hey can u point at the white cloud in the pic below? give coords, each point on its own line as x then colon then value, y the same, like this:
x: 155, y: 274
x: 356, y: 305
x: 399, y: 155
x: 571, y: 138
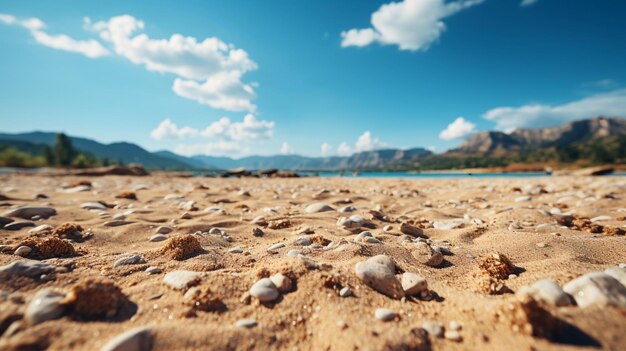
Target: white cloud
x: 410, y: 24
x: 344, y: 149
x: 327, y: 149
x: 365, y: 142
x: 431, y: 148
x: 528, y: 2
x: 285, y: 149
x: 168, y: 129
x: 90, y: 48
x: 218, y: 148
x: 248, y: 130
x: 611, y: 104
x: 209, y: 70
x: 457, y: 129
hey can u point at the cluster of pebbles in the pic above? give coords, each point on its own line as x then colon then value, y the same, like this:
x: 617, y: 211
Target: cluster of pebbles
x: 390, y: 266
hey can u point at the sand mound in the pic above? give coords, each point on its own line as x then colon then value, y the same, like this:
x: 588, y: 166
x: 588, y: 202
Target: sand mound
x: 181, y: 247
x: 94, y: 298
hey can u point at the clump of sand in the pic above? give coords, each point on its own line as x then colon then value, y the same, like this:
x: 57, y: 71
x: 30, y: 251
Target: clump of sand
x: 181, y: 247
x: 528, y: 316
x: 202, y: 298
x: 49, y: 248
x: 68, y: 231
x: 94, y: 298
x: 494, y: 269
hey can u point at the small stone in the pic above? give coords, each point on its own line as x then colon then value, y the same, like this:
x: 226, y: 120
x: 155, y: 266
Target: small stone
x: 93, y: 206
x: 138, y: 339
x: 40, y: 229
x: 116, y: 223
x: 119, y: 217
x: 235, y: 250
x: 345, y: 292
x: 318, y: 207
x: 246, y: 323
x: 23, y: 251
x: 45, y: 306
x: 414, y: 231
x: 385, y: 314
x: 597, y: 288
x: 28, y: 212
x: 433, y: 328
x: 185, y: 215
x: 133, y: 259
x: 153, y: 270
x: 454, y: 325
x: 164, y: 230
x: 347, y: 209
x: 453, y: 335
x: 617, y: 272
x: 294, y: 252
x: 276, y: 247
x: 449, y: 224
x: 264, y: 290
x: 387, y: 228
x: 158, y: 237
x: 380, y: 278
x: 25, y: 268
x: 18, y: 225
x: 282, y: 282
x: 257, y: 232
x: 4, y: 221
x: 259, y: 221
x: 303, y: 241
x: 413, y: 284
x: 181, y: 279
x: 550, y: 292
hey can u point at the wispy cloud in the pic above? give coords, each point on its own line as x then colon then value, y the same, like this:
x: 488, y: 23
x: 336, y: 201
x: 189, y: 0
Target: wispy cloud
x: 457, y: 129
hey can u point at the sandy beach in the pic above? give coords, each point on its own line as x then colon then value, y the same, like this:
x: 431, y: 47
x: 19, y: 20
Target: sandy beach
x: 460, y: 255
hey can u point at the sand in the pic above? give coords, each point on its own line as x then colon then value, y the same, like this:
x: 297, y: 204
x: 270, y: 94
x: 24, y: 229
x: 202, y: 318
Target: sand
x: 311, y: 315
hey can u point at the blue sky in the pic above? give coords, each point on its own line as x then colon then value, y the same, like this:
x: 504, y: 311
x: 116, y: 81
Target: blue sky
x: 307, y: 77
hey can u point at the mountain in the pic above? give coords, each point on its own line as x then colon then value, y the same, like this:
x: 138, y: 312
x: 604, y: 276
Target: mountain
x: 193, y: 162
x: 493, y: 143
x: 122, y: 151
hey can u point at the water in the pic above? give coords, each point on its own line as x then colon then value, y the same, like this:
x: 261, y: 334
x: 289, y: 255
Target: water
x: 429, y: 175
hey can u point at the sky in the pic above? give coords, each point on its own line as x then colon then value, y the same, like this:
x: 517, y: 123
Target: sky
x: 315, y: 78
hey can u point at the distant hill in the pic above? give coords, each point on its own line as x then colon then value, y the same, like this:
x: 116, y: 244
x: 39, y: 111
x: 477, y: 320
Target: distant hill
x: 122, y: 151
x: 498, y: 143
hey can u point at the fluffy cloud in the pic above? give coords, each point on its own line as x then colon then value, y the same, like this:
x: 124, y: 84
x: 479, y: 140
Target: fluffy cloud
x: 609, y: 104
x: 218, y: 148
x: 209, y: 71
x: 528, y: 2
x: 326, y: 149
x: 344, y: 149
x: 410, y: 24
x: 90, y: 48
x: 285, y: 149
x: 365, y: 142
x: 248, y: 130
x: 459, y: 128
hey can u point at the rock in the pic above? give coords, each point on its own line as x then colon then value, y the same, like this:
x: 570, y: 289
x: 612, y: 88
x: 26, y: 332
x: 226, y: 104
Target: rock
x: 245, y: 323
x: 413, y: 284
x: 45, y: 306
x: 164, y: 230
x: 235, y: 250
x: 173, y: 197
x: 259, y: 221
x: 23, y: 251
x: 426, y: 255
x: 318, y: 207
x: 93, y: 206
x: 362, y: 235
x: 449, y: 224
x: 380, y: 278
x: 181, y: 279
x: 385, y: 261
x: 276, y: 247
x: 25, y: 268
x: 40, y: 229
x: 303, y: 241
x: 157, y: 238
x: 433, y: 328
x: 133, y: 259
x: 601, y: 218
x: 617, y: 272
x: 116, y: 223
x: 347, y: 209
x: 77, y: 189
x: 257, y: 232
x: 282, y: 282
x: 138, y: 339
x: 119, y: 217
x: 264, y: 290
x: 305, y: 230
x: 385, y: 314
x: 453, y: 335
x: 18, y: 225
x: 4, y: 221
x: 408, y: 229
x: 28, y: 212
x: 345, y: 292
x: 153, y: 270
x: 523, y: 199
x: 293, y: 252
x: 597, y: 288
x: 550, y: 292
x: 454, y: 325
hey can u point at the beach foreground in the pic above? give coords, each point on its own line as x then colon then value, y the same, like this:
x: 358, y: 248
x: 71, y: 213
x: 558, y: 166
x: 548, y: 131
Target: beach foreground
x: 476, y: 242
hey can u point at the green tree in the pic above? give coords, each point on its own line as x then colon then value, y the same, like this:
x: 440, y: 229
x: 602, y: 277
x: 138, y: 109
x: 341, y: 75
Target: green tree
x: 63, y: 150
x: 48, y: 156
